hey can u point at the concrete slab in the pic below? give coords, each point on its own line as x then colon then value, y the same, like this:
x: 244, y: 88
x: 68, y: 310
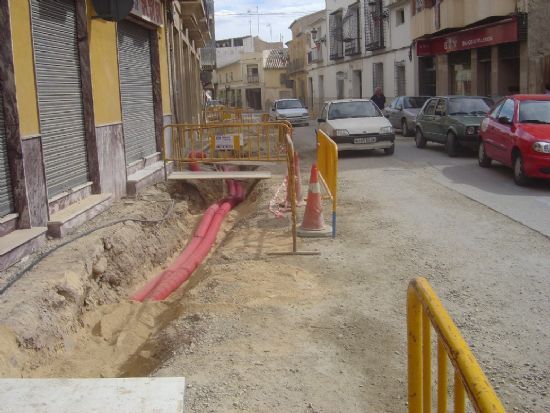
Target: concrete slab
x: 76, y: 214
x: 147, y: 176
x: 127, y: 395
x: 20, y: 243
x: 189, y: 175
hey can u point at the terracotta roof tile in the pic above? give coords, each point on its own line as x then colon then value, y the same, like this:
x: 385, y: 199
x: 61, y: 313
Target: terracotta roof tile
x: 276, y: 59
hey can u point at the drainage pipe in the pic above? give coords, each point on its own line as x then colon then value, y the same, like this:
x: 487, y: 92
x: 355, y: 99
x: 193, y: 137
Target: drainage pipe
x: 195, y: 241
x: 181, y: 269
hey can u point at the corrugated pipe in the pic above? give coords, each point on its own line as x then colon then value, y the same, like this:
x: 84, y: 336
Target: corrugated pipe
x: 196, y: 251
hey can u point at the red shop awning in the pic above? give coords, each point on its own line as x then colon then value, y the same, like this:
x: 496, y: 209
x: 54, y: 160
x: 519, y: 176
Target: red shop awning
x: 488, y: 35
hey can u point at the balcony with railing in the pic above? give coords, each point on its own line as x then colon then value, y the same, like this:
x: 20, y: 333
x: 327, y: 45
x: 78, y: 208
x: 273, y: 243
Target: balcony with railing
x: 336, y: 33
x: 208, y: 56
x: 296, y: 65
x: 351, y: 31
x: 251, y: 78
x: 315, y: 55
x: 375, y: 16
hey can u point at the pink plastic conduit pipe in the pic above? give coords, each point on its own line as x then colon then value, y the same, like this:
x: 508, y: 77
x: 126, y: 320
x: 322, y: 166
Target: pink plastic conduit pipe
x: 196, y: 251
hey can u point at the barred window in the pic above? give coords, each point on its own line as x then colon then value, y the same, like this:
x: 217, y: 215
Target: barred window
x: 336, y: 35
x: 374, y: 25
x: 378, y: 76
x: 400, y: 79
x: 352, y: 33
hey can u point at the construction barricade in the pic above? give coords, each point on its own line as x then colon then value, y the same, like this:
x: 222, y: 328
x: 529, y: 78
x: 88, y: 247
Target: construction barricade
x: 214, y: 143
x: 230, y: 143
x: 223, y: 114
x: 424, y: 310
x: 327, y: 163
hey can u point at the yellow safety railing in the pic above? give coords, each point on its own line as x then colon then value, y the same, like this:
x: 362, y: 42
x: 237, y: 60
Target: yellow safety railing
x: 185, y: 143
x: 424, y: 310
x: 223, y: 114
x: 233, y: 142
x: 327, y: 163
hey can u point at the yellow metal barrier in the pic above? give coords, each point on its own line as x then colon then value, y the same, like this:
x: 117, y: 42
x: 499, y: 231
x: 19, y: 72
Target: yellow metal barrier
x: 327, y: 163
x: 423, y: 311
x: 265, y: 142
x: 234, y: 142
x: 223, y: 114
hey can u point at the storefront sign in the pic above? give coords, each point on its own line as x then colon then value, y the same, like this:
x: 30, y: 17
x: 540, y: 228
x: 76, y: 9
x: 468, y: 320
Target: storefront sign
x: 469, y: 39
x: 148, y: 10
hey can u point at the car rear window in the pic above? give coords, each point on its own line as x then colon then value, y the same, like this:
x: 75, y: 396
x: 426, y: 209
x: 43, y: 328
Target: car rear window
x: 469, y: 106
x: 360, y: 109
x: 534, y: 111
x: 412, y: 102
x: 289, y: 104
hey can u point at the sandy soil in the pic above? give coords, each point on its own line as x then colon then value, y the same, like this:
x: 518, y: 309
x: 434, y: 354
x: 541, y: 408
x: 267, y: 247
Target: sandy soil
x: 254, y: 332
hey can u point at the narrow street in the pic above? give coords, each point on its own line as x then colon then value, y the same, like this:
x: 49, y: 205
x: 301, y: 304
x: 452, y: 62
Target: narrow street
x: 327, y: 333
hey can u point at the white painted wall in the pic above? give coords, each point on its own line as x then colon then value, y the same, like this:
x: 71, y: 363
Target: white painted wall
x: 397, y: 40
x: 228, y: 55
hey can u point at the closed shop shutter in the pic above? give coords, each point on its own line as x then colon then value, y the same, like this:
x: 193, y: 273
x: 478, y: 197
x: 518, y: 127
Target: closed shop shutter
x: 59, y: 94
x: 136, y: 91
x: 6, y: 201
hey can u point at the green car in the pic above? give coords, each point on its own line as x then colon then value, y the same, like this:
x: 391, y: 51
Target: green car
x: 451, y: 120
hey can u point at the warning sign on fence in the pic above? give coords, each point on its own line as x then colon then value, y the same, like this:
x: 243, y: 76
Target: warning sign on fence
x: 224, y: 143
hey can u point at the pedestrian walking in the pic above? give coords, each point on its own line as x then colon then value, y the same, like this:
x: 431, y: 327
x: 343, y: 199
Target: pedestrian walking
x: 378, y: 98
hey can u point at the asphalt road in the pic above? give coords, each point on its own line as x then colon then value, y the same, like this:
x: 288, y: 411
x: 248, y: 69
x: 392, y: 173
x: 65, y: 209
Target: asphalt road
x: 493, y: 187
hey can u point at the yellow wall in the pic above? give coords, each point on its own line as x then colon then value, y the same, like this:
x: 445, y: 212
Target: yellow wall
x: 272, y: 78
x: 104, y: 69
x: 23, y: 62
x: 164, y: 83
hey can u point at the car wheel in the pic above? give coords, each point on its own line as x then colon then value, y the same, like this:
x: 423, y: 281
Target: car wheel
x: 451, y: 145
x: 519, y: 175
x: 419, y: 139
x: 482, y: 159
x: 405, y: 128
x: 390, y: 150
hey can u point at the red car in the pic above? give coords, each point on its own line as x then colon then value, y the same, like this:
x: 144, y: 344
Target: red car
x: 516, y: 133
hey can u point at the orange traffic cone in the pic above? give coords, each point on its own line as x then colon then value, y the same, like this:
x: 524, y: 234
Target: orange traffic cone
x: 313, y: 224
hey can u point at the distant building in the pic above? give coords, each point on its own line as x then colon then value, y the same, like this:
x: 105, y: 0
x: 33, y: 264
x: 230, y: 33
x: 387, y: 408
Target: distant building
x: 299, y: 48
x: 255, y: 80
x: 245, y: 70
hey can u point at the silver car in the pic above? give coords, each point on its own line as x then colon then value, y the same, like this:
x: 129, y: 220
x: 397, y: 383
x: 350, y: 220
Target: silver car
x: 291, y: 110
x: 402, y: 112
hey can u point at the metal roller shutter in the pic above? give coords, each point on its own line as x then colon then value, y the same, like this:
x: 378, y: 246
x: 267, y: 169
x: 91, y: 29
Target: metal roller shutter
x: 136, y: 91
x: 6, y: 200
x: 59, y: 94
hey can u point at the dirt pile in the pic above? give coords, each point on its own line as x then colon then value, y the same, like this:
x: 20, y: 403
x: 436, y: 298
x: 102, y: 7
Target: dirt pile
x: 76, y: 299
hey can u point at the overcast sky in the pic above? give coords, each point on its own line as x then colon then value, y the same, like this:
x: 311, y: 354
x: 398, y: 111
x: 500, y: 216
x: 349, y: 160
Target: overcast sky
x: 228, y: 25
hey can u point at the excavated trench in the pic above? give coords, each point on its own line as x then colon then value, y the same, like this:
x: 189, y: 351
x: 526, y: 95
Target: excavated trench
x: 70, y: 316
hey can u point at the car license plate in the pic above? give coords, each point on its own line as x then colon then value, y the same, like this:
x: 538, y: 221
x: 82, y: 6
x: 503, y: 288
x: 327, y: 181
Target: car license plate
x: 365, y: 140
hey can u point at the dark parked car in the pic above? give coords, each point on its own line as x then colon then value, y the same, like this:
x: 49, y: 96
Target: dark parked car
x: 451, y: 120
x: 402, y: 112
x: 517, y: 134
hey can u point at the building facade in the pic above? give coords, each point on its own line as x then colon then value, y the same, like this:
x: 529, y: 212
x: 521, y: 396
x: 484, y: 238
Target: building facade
x: 83, y: 103
x: 255, y: 80
x: 489, y: 48
x: 299, y: 47
x: 240, y: 75
x: 358, y: 46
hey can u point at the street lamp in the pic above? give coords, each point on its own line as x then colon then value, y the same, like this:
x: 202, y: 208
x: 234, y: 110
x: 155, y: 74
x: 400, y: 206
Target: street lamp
x: 314, y: 33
